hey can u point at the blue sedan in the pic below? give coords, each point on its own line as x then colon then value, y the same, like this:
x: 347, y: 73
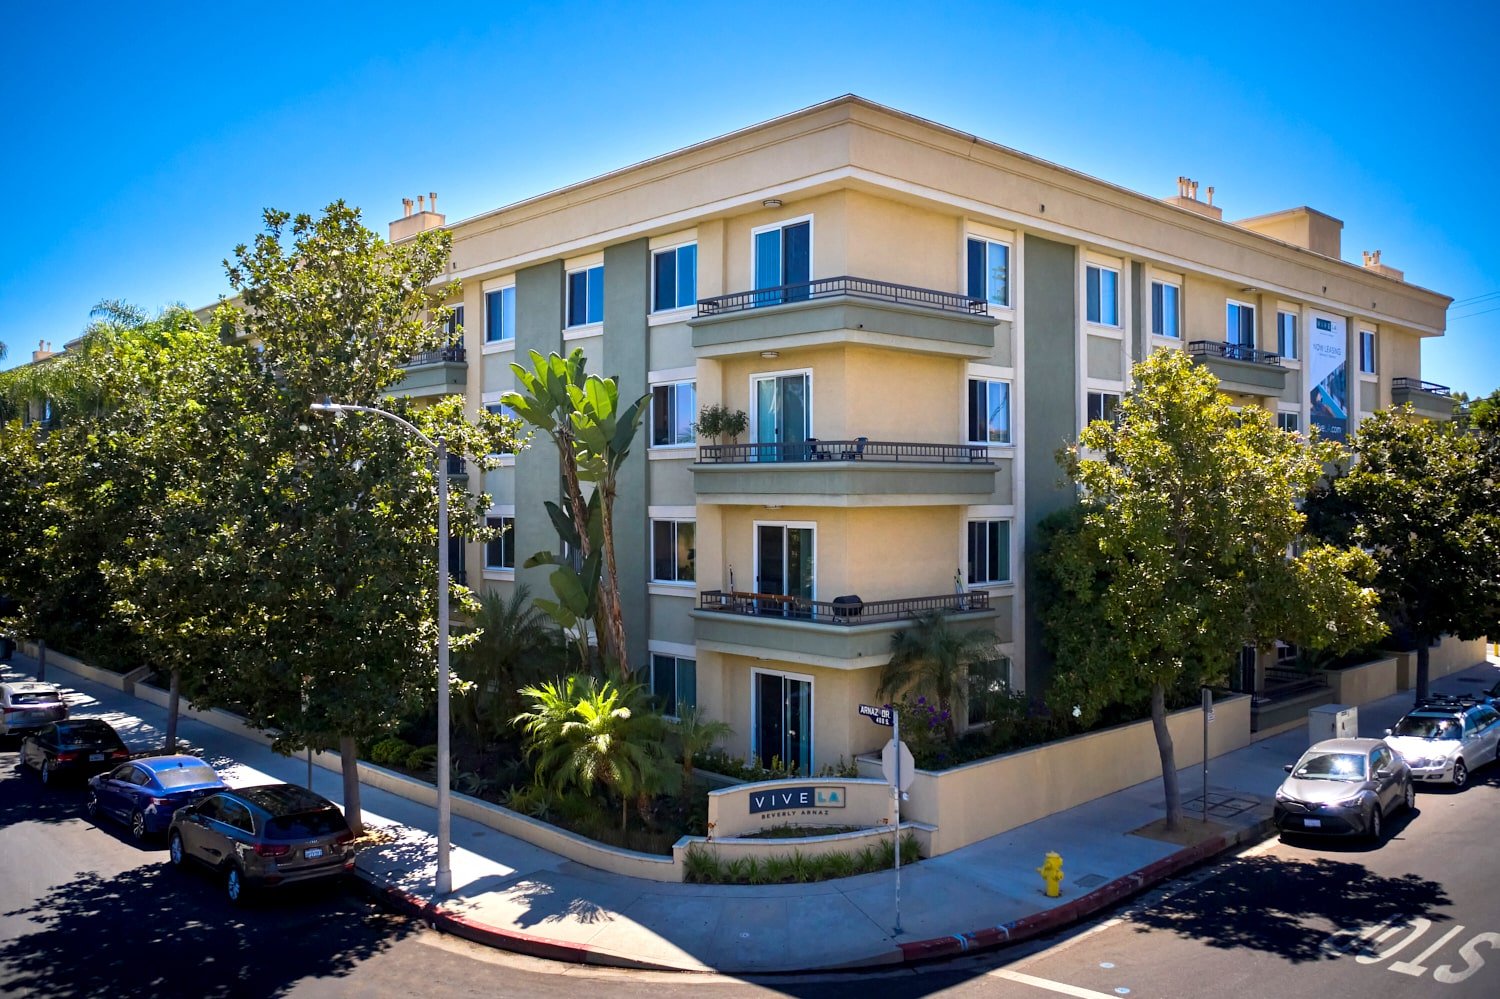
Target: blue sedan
x: 144, y: 793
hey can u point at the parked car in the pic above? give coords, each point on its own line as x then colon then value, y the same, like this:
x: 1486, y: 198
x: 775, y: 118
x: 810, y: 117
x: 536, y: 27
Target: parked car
x: 263, y: 837
x: 78, y: 747
x: 145, y: 793
x: 1343, y: 787
x: 26, y: 705
x: 1447, y: 737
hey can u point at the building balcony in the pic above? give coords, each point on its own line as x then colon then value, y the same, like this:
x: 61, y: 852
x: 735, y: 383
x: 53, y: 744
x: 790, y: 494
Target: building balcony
x: 845, y: 632
x: 444, y: 371
x: 843, y: 310
x: 1240, y: 369
x: 1428, y: 399
x: 858, y: 472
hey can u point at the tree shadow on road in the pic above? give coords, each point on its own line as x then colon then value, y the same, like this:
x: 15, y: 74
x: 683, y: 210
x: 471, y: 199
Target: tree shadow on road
x: 23, y: 798
x: 1289, y: 907
x: 153, y: 930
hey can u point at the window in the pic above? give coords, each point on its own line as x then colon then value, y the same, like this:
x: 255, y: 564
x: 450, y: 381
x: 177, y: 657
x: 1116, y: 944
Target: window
x: 989, y: 551
x: 586, y: 296
x: 453, y: 326
x: 1164, y: 309
x: 500, y: 315
x: 500, y: 409
x: 674, y: 278
x: 1103, y: 294
x: 989, y: 271
x: 989, y: 411
x: 500, y: 552
x: 1103, y: 405
x: 1239, y: 324
x: 673, y: 410
x: 1367, y: 351
x: 674, y: 683
x: 783, y: 256
x: 672, y: 551
x: 1291, y: 422
x: 1286, y: 334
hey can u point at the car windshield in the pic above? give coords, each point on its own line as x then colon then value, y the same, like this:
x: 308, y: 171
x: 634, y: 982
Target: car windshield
x: 1331, y: 766
x: 1420, y: 727
x: 33, y: 697
x: 87, y: 735
x: 183, y: 776
x: 307, y: 824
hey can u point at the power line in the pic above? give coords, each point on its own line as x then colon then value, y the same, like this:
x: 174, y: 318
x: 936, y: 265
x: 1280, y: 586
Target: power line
x: 1471, y: 315
x: 1476, y: 299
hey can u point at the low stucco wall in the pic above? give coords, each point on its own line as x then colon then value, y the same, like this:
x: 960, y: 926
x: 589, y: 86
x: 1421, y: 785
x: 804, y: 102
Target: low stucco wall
x: 1364, y: 683
x: 730, y: 849
x: 797, y: 802
x: 123, y: 682
x: 1452, y: 655
x: 223, y: 720
x: 981, y: 799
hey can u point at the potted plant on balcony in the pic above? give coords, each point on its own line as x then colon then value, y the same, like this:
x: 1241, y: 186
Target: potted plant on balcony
x: 719, y: 422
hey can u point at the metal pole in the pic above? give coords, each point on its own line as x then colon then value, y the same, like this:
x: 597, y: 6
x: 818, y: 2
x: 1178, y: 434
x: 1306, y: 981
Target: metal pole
x: 445, y: 805
x: 896, y: 796
x: 41, y: 659
x: 309, y: 768
x: 1208, y: 702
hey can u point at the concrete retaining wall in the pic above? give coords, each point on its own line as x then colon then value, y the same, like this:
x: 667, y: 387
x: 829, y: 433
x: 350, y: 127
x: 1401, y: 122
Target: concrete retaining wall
x: 1364, y: 683
x: 859, y: 803
x: 123, y: 682
x: 223, y: 720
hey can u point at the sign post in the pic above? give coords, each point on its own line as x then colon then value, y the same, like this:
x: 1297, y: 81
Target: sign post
x: 899, y: 768
x: 1208, y: 716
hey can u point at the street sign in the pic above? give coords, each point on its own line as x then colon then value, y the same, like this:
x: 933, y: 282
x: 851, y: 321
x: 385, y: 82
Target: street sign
x: 888, y: 758
x: 877, y: 714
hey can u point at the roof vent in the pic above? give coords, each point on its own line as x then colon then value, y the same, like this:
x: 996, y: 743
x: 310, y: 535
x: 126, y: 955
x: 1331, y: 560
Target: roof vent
x: 1187, y: 197
x: 410, y: 223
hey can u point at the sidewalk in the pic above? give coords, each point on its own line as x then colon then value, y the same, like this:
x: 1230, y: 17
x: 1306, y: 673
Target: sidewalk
x: 516, y: 896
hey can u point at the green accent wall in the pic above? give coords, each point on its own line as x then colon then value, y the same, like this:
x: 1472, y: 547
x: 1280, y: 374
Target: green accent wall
x: 1140, y: 315
x: 539, y: 311
x: 627, y: 284
x: 1051, y: 376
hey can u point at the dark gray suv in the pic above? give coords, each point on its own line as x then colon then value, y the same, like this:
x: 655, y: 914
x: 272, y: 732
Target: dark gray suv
x: 263, y: 837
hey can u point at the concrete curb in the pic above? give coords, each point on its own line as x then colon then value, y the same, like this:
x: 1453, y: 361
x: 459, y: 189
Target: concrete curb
x: 1106, y: 895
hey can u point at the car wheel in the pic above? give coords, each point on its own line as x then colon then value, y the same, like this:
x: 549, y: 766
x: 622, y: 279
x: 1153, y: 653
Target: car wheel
x: 1460, y: 775
x: 234, y: 886
x: 137, y: 825
x: 175, y: 851
x: 91, y: 806
x: 47, y: 767
x: 1410, y: 801
x: 1374, y: 826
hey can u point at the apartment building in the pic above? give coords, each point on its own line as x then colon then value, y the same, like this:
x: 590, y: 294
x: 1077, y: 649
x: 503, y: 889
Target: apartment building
x: 914, y: 320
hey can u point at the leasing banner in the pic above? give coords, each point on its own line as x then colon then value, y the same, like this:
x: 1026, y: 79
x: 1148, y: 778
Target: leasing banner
x: 1327, y: 359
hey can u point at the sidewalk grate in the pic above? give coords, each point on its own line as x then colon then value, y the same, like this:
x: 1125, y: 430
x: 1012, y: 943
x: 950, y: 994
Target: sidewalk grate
x: 1221, y: 805
x: 1089, y: 880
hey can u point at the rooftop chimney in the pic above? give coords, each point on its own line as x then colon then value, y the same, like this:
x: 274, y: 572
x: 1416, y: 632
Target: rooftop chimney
x: 1372, y: 263
x: 42, y: 352
x: 1187, y: 197
x: 423, y: 219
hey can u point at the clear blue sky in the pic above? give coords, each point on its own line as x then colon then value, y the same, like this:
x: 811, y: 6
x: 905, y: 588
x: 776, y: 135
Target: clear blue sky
x: 142, y: 142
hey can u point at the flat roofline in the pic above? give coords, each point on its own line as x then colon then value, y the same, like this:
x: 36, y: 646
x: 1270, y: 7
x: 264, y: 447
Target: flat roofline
x: 1289, y: 211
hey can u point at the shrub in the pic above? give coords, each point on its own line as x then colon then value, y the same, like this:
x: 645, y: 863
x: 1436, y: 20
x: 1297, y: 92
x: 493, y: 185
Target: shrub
x: 422, y: 758
x: 702, y: 867
x: 390, y: 751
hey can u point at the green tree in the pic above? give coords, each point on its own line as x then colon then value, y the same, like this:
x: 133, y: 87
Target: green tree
x: 1188, y: 544
x: 593, y: 430
x: 693, y: 734
x: 934, y: 658
x: 583, y: 732
x: 1419, y: 496
x: 516, y: 646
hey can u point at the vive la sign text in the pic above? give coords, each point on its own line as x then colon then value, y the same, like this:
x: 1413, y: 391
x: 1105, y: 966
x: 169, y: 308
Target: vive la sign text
x: 792, y: 798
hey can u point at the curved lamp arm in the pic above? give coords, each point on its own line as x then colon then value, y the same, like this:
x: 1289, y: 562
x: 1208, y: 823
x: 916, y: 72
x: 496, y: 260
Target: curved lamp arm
x: 341, y: 407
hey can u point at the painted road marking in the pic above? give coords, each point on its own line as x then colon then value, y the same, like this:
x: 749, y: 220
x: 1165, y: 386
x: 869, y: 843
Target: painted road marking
x: 1043, y: 983
x: 1375, y: 944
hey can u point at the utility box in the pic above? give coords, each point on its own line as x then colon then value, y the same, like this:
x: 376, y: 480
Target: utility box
x: 1332, y: 721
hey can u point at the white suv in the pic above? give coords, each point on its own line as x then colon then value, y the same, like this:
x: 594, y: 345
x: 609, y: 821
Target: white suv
x: 26, y: 706
x: 1445, y: 738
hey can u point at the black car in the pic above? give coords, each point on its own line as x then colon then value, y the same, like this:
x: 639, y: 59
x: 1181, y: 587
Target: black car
x: 78, y: 747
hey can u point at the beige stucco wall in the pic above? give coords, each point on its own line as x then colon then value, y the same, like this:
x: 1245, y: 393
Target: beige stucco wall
x: 904, y: 243
x: 865, y: 803
x: 1364, y: 683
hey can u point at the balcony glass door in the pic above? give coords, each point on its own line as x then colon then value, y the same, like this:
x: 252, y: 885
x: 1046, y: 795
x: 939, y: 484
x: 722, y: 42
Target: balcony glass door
x: 783, y: 721
x: 783, y: 256
x: 783, y: 415
x: 784, y: 569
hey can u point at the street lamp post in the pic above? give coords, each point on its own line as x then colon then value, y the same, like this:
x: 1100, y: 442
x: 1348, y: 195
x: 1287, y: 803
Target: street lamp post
x: 444, y: 880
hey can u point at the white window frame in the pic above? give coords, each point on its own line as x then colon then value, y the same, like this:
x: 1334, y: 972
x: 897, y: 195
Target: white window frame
x: 1230, y: 303
x: 1293, y: 411
x: 756, y: 525
x: 1293, y: 359
x: 656, y: 383
x: 674, y: 585
x: 986, y: 514
x: 812, y: 246
x: 974, y: 230
x: 571, y: 267
x: 489, y: 288
x: 507, y: 459
x: 675, y: 650
x: 986, y: 373
x: 1374, y: 368
x: 1117, y: 392
x: 484, y: 555
x: 1175, y: 285
x: 812, y: 715
x: 1117, y: 268
x: 812, y: 409
x: 676, y: 311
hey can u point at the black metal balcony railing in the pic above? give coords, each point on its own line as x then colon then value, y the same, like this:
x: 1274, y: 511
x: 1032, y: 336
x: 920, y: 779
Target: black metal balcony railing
x: 852, y: 287
x: 1417, y: 385
x: 842, y: 610
x: 859, y: 449
x: 1233, y: 352
x: 453, y: 354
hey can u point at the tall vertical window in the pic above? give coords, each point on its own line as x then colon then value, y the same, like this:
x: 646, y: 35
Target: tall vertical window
x: 989, y: 411
x: 673, y: 409
x: 674, y: 683
x: 989, y: 551
x: 673, y: 551
x: 454, y: 324
x: 989, y: 271
x: 1102, y: 293
x: 1164, y: 309
x: 1239, y: 324
x: 586, y: 296
x: 1103, y: 405
x: 500, y: 315
x: 1367, y: 351
x: 1286, y: 334
x: 674, y: 278
x: 500, y: 552
x: 783, y: 256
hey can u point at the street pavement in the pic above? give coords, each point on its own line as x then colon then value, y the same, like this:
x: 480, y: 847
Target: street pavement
x: 511, y: 894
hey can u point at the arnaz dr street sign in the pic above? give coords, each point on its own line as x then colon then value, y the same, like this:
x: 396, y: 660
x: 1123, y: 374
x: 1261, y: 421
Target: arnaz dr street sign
x: 880, y: 715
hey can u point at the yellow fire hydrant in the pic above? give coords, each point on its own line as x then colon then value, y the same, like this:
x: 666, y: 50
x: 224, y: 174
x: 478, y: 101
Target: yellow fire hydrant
x: 1052, y: 873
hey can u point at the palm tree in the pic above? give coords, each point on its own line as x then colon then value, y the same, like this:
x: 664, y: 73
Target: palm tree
x: 583, y: 732
x: 934, y: 659
x: 517, y: 646
x: 695, y: 734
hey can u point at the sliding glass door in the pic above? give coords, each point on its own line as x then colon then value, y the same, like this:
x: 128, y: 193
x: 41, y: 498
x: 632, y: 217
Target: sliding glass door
x: 783, y: 414
x: 783, y: 721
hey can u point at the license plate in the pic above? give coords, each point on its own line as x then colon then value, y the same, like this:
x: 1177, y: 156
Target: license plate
x: 95, y: 757
x: 1312, y: 823
x: 314, y: 853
